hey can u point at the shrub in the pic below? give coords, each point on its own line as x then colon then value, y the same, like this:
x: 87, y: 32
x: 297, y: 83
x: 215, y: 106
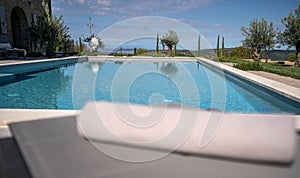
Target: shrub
x: 240, y: 53
x: 159, y: 55
x: 292, y: 57
x: 293, y: 72
x: 141, y: 51
x: 255, y: 66
x: 34, y: 54
x: 118, y: 54
x: 232, y: 60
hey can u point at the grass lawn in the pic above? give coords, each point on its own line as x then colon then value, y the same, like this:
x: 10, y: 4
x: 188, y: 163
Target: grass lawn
x: 288, y: 71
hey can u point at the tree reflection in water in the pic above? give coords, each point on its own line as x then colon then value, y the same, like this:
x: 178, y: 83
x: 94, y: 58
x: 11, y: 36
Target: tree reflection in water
x: 170, y: 69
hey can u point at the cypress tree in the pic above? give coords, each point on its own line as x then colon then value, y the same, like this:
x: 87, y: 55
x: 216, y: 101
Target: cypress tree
x: 218, y: 46
x: 199, y: 46
x: 157, y: 41
x: 222, y: 54
x: 80, y: 45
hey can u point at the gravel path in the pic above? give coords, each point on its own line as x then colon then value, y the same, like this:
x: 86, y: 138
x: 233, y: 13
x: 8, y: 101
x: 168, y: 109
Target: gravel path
x: 282, y: 79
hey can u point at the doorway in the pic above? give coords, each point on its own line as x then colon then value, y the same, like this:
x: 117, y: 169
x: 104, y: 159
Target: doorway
x: 19, y: 26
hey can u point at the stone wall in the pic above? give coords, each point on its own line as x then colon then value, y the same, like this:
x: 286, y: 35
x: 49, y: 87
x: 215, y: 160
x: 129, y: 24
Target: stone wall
x: 25, y: 10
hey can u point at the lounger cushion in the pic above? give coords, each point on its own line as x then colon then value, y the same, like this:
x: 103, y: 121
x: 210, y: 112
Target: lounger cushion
x: 6, y: 47
x: 250, y: 137
x: 52, y: 148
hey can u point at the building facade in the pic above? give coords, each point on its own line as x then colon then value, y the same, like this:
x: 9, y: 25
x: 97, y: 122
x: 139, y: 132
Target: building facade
x: 16, y: 16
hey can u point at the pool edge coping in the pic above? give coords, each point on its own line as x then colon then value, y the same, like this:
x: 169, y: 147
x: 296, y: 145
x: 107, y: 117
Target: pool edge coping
x: 41, y: 60
x: 19, y: 115
x: 281, y: 88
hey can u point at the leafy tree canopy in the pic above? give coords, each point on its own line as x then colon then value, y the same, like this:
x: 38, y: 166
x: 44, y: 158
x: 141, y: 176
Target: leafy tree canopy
x: 49, y: 32
x: 240, y: 53
x: 170, y: 39
x: 291, y: 35
x: 259, y: 35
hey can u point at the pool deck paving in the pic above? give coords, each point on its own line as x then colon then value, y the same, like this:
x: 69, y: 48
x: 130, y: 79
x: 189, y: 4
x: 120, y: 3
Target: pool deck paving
x: 272, y: 84
x: 20, y: 59
x: 275, y: 83
x: 282, y: 79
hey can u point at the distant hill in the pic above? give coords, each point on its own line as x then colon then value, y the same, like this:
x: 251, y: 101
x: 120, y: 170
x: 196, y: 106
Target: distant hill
x: 282, y: 55
x: 277, y: 55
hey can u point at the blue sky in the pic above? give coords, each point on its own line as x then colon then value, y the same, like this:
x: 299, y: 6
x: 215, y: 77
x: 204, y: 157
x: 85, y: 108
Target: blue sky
x: 208, y: 17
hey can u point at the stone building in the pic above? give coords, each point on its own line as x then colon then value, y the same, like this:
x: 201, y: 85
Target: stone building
x: 16, y: 16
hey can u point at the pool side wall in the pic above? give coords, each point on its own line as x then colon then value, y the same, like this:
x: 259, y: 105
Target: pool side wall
x: 8, y: 71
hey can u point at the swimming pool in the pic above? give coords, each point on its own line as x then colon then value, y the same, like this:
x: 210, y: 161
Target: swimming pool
x: 70, y: 87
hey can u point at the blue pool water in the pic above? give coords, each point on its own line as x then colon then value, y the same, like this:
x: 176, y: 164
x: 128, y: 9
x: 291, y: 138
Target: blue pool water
x: 70, y: 87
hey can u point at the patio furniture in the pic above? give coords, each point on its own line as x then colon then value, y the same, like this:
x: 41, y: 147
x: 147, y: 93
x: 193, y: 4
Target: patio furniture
x: 6, y: 49
x: 55, y: 148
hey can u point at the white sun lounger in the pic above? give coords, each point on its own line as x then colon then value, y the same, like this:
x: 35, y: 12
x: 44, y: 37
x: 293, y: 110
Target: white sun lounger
x: 187, y: 130
x: 6, y: 48
x: 54, y: 148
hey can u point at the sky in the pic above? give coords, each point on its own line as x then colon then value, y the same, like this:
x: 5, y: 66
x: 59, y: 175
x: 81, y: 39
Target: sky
x: 137, y: 22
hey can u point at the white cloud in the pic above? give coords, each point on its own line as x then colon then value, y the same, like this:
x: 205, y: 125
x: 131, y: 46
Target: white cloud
x: 232, y: 34
x: 68, y: 2
x: 147, y: 27
x: 131, y: 8
x: 56, y: 9
x: 81, y: 1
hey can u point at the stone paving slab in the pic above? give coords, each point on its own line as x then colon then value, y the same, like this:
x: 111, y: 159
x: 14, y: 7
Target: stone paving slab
x: 17, y: 115
x: 282, y: 79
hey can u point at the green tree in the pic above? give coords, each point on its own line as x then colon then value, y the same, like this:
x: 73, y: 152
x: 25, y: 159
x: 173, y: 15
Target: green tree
x: 218, y: 46
x: 199, y: 46
x: 170, y: 39
x: 259, y: 35
x: 157, y: 42
x: 291, y: 35
x: 223, y: 50
x: 292, y: 57
x: 80, y: 46
x: 49, y: 33
x: 269, y: 38
x: 240, y: 53
x: 141, y: 51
